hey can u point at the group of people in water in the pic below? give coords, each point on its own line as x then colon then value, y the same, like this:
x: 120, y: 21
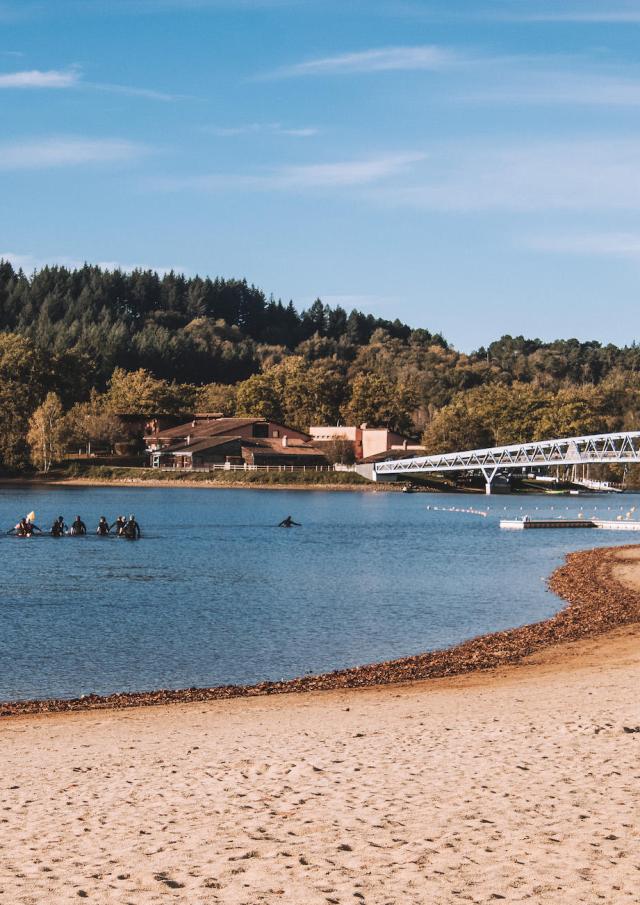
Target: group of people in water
x: 122, y: 527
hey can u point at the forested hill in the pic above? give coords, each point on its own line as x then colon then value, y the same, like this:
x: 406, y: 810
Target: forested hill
x: 141, y: 343
x: 191, y: 330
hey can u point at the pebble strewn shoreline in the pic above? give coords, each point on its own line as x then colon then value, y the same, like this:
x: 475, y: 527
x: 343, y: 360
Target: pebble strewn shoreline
x: 596, y: 603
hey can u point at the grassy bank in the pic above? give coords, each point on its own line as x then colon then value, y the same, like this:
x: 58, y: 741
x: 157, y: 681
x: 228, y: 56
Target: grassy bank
x: 107, y: 474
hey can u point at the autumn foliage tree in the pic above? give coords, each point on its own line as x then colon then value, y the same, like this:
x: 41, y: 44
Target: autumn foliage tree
x: 46, y: 433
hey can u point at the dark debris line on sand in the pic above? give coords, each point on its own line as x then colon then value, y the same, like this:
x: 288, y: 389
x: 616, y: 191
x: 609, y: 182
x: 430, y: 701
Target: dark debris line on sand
x: 597, y: 603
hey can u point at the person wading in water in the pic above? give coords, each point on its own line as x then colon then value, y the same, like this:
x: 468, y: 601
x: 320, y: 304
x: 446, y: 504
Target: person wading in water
x: 24, y: 528
x: 132, y: 529
x: 78, y: 527
x: 119, y: 524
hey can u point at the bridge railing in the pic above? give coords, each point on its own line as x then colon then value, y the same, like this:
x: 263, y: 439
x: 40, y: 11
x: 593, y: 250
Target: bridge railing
x: 588, y: 449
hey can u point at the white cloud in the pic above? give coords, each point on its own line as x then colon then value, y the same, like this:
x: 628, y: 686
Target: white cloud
x: 609, y: 245
x: 521, y: 79
x: 383, y: 59
x: 155, y: 6
x: 256, y: 128
x: 72, y: 78
x: 44, y: 153
x: 536, y: 176
x: 553, y: 87
x: 343, y: 173
x: 30, y: 262
x: 625, y: 15
x: 304, y: 177
x: 131, y: 91
x: 37, y: 78
x: 461, y: 177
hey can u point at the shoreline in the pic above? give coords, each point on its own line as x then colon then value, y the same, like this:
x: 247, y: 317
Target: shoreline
x: 207, y: 485
x: 596, y: 602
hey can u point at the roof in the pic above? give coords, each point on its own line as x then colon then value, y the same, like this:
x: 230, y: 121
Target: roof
x: 277, y: 442
x: 206, y: 428
x: 181, y: 449
x: 275, y: 448
x: 258, y: 446
x: 212, y: 427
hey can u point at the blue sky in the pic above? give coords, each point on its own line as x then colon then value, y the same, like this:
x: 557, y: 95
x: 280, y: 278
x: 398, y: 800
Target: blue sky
x: 470, y: 167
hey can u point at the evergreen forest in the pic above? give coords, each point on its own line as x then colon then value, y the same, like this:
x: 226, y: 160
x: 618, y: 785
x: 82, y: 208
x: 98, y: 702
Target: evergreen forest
x: 83, y: 346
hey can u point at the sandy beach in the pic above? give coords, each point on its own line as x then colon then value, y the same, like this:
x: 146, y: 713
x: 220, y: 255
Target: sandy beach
x: 518, y: 783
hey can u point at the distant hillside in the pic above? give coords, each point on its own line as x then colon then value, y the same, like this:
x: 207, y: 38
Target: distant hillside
x: 224, y: 345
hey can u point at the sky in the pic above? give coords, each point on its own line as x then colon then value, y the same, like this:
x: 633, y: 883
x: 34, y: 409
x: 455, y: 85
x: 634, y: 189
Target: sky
x: 468, y: 166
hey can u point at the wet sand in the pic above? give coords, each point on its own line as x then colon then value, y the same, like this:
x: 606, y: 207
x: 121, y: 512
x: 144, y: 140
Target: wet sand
x: 517, y: 783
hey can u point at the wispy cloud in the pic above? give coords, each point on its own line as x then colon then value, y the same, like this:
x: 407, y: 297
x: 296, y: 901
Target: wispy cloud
x: 380, y: 59
x: 531, y: 83
x: 155, y: 6
x: 485, y: 78
x: 38, y: 78
x: 257, y: 128
x: 600, y: 244
x: 536, y: 176
x: 304, y: 177
x: 51, y: 152
x: 533, y: 11
x: 132, y: 91
x: 15, y: 12
x: 620, y: 13
x: 30, y: 262
x: 462, y: 177
x: 344, y: 173
x: 73, y: 78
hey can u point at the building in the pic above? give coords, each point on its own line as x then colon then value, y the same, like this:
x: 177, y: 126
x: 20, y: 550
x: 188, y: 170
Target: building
x: 282, y: 452
x: 217, y: 441
x: 204, y: 427
x: 202, y: 453
x: 367, y: 441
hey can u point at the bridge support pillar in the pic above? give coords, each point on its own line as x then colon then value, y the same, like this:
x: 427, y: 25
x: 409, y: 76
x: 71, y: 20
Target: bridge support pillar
x: 489, y: 475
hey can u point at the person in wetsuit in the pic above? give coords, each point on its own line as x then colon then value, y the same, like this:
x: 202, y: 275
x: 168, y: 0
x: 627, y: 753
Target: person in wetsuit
x: 103, y: 527
x: 58, y: 528
x: 24, y: 528
x: 119, y: 524
x: 78, y: 526
x: 288, y: 522
x: 132, y: 529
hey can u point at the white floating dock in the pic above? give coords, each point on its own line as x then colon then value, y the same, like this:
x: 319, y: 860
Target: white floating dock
x: 616, y: 526
x: 603, y: 524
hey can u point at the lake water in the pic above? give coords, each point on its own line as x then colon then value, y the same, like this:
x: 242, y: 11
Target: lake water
x: 215, y: 594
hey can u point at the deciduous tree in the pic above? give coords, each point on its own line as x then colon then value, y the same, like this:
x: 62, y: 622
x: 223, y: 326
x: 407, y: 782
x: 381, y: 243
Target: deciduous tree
x: 46, y: 433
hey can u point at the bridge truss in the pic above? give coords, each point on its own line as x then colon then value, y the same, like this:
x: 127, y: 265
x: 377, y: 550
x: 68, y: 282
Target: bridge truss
x: 592, y: 449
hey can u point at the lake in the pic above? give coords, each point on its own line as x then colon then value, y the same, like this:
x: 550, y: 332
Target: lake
x: 214, y: 593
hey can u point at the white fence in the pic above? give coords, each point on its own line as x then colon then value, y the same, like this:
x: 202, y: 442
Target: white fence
x: 226, y: 466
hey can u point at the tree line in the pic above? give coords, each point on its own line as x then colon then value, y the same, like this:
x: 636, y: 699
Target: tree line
x: 94, y: 344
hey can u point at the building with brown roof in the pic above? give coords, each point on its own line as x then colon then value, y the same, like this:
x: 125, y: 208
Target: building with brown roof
x: 248, y: 442
x: 204, y: 427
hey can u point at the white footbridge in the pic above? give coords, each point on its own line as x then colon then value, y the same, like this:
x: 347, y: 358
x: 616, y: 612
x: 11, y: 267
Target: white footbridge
x: 623, y: 447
